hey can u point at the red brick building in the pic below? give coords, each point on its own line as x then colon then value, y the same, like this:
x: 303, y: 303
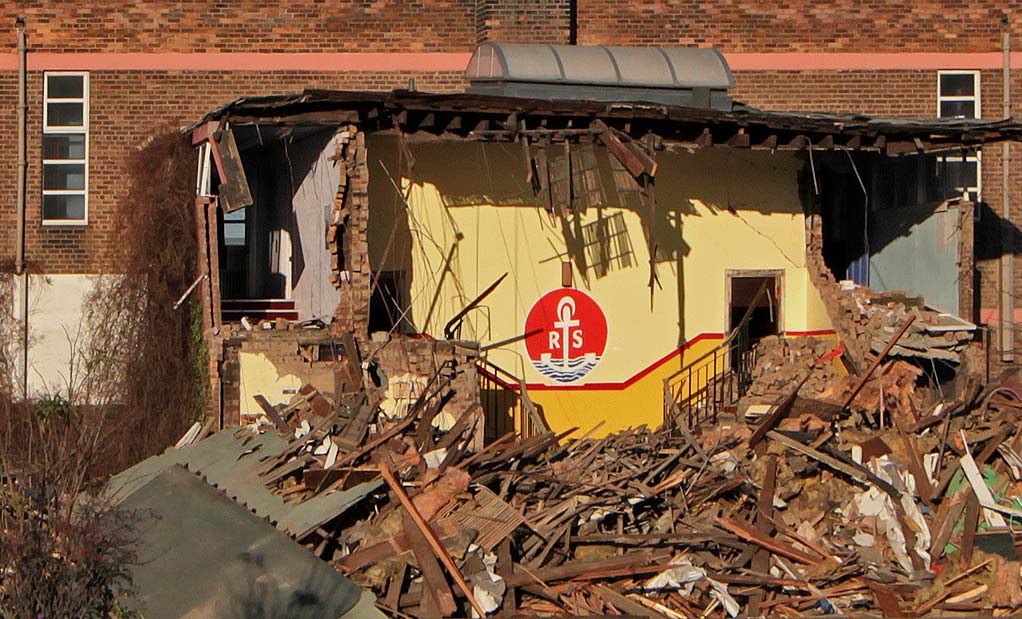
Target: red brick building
x: 101, y: 78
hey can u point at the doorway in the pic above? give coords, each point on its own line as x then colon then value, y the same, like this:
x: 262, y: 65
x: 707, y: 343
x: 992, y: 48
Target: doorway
x: 743, y: 296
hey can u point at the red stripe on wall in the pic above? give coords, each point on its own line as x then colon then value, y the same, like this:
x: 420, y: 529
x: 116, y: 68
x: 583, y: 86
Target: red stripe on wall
x: 645, y: 372
x: 631, y: 381
x: 810, y: 333
x: 457, y: 61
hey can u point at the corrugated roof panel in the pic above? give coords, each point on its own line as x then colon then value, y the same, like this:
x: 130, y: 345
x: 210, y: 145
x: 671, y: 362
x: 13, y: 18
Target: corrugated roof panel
x: 202, y: 556
x: 530, y: 63
x: 700, y: 67
x: 644, y: 67
x: 650, y: 67
x: 689, y: 77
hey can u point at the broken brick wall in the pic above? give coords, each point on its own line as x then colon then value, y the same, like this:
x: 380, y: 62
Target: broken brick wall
x: 405, y: 367
x: 414, y: 360
x: 229, y: 372
x: 348, y: 235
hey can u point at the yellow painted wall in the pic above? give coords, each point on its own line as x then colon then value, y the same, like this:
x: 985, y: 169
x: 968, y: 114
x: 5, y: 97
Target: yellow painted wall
x: 716, y: 209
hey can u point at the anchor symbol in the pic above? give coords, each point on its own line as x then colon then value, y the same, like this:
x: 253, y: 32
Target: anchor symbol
x: 566, y: 313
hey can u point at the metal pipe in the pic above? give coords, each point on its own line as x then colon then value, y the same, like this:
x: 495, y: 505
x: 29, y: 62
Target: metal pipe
x: 19, y: 259
x: 1007, y: 251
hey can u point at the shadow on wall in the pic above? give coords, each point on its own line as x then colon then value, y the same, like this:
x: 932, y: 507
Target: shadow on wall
x: 990, y: 245
x: 584, y: 191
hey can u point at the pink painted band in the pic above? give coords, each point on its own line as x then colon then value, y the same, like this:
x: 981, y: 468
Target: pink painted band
x: 843, y: 61
x: 457, y: 61
x: 299, y: 61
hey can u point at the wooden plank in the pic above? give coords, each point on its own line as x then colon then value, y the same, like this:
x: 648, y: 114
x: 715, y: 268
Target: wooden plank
x: 390, y: 548
x: 434, y: 583
x: 273, y: 415
x: 764, y: 507
x: 876, y: 362
x: 397, y: 581
x: 969, y: 532
x: 948, y: 516
x: 915, y: 464
x: 859, y: 475
x: 886, y: 599
x: 505, y: 568
x: 577, y: 569
x: 632, y: 158
x: 780, y: 412
x: 431, y: 537
x: 749, y: 534
x: 625, y: 604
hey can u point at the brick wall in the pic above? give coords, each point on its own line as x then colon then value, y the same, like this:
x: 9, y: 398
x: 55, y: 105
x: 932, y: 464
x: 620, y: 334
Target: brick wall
x: 523, y: 21
x: 399, y: 355
x: 793, y: 25
x: 456, y: 25
x: 244, y: 25
x: 126, y: 108
x: 870, y: 92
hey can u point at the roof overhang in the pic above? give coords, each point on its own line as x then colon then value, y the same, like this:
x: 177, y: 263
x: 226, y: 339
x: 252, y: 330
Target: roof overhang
x: 497, y: 118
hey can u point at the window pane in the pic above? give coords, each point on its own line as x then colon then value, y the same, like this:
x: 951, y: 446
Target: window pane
x: 64, y: 176
x: 959, y: 173
x: 64, y: 115
x: 952, y: 109
x: 234, y: 234
x: 957, y: 84
x: 64, y: 207
x: 65, y: 86
x: 238, y: 215
x: 64, y: 146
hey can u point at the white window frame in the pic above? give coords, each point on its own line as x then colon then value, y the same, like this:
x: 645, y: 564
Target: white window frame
x: 82, y: 130
x: 975, y: 97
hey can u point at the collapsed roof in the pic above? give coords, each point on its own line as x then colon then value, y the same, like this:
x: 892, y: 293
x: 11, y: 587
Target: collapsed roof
x: 491, y: 117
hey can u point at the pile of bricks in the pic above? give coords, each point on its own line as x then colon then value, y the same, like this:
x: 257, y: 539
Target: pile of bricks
x: 873, y: 318
x: 782, y: 362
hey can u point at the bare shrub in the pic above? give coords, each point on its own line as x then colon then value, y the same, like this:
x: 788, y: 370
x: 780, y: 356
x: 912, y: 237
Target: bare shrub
x: 64, y: 552
x: 143, y: 353
x: 134, y: 384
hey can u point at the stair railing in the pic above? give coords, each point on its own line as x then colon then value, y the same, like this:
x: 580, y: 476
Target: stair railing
x: 702, y: 389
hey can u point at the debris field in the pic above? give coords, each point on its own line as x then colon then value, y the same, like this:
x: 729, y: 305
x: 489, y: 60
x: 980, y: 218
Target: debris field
x: 871, y: 493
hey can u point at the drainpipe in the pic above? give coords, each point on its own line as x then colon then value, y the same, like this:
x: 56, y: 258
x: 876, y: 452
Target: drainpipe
x: 1007, y: 248
x: 19, y: 260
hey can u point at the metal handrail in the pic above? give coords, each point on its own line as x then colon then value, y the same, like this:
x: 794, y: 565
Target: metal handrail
x: 744, y: 322
x: 723, y: 375
x: 508, y: 395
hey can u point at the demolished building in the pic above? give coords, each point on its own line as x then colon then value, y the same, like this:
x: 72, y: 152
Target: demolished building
x: 572, y: 262
x: 444, y: 320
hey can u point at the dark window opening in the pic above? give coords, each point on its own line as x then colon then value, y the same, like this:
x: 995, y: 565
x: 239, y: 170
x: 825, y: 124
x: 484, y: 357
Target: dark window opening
x: 389, y: 304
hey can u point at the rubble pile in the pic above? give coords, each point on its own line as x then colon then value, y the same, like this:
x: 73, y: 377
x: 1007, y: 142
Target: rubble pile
x: 873, y: 317
x: 783, y: 361
x: 811, y: 508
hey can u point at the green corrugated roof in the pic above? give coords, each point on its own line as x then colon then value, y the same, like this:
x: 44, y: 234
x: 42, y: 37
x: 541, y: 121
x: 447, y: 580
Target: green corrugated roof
x: 232, y: 463
x: 201, y: 555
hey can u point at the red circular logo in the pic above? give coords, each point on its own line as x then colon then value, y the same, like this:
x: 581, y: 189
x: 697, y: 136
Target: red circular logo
x: 566, y: 334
